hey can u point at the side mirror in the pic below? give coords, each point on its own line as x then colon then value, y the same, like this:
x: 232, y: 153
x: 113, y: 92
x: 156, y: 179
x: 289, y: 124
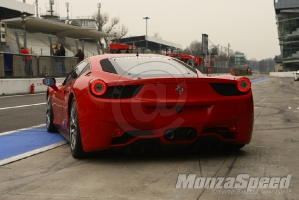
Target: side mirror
x: 49, y: 82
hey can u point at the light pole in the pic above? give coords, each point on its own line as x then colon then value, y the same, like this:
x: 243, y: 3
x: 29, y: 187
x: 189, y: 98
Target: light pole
x: 23, y: 20
x: 228, y: 54
x: 99, y: 16
x: 146, y: 18
x: 67, y: 9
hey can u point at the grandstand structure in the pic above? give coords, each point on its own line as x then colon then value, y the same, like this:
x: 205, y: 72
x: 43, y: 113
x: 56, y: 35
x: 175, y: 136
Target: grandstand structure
x: 41, y: 35
x: 11, y: 9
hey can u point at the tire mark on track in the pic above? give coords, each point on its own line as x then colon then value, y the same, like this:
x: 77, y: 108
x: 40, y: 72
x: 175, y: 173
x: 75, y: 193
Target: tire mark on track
x: 232, y: 165
x: 227, y: 173
x: 227, y: 156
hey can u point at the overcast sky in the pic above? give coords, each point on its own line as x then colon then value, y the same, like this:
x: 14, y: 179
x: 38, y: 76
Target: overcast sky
x: 248, y: 25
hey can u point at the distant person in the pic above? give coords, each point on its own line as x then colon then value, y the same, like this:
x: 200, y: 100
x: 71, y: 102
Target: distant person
x: 58, y: 61
x: 80, y: 55
x: 248, y: 70
x: 61, y: 49
x: 62, y: 53
x: 28, y: 62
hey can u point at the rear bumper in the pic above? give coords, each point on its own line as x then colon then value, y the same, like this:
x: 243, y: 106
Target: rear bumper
x: 101, y: 121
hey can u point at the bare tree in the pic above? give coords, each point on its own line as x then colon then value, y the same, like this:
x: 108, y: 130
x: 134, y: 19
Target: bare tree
x: 157, y: 36
x: 110, y: 29
x: 103, y: 24
x: 194, y: 48
x: 123, y: 31
x: 101, y: 20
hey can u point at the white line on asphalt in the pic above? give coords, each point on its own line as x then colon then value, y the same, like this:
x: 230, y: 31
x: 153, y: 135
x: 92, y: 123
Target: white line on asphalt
x: 21, y: 95
x: 22, y: 129
x: 36, y: 104
x: 31, y: 153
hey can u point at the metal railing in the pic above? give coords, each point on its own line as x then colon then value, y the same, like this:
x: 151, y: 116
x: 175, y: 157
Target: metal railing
x: 20, y: 66
x: 16, y: 66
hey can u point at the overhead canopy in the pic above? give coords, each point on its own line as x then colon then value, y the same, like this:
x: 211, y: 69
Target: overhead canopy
x: 153, y: 43
x: 282, y: 5
x: 59, y: 28
x: 12, y: 8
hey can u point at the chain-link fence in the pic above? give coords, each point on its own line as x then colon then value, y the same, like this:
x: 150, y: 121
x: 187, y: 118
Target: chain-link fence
x: 28, y: 65
x: 266, y: 66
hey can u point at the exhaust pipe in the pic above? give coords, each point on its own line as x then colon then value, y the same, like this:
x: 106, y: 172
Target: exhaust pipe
x: 191, y: 134
x: 169, y: 135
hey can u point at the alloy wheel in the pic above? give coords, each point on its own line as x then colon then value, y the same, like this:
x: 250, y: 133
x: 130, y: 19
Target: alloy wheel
x: 73, y: 126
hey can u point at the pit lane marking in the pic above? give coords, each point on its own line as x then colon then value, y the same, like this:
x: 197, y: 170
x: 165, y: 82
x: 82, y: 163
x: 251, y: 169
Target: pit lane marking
x: 23, y: 143
x: 31, y: 153
x: 258, y: 80
x: 22, y: 106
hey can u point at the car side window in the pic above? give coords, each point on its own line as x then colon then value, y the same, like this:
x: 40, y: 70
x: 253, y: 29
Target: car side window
x: 86, y: 68
x: 77, y: 71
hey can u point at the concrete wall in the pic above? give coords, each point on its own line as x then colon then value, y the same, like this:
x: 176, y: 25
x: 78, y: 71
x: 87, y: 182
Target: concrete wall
x: 283, y: 74
x: 22, y: 86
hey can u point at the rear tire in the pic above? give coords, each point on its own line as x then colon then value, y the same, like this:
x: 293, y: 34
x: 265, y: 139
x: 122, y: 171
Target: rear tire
x: 49, y: 117
x: 75, y: 136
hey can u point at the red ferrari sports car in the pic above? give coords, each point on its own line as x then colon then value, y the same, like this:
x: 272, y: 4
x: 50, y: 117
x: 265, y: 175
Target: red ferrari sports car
x: 116, y: 100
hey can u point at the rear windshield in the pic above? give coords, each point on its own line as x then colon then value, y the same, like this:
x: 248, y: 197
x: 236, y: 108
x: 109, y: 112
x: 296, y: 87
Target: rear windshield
x: 139, y: 67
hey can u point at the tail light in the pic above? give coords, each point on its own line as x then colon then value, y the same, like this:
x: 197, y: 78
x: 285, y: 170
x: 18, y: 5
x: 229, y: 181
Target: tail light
x: 98, y: 87
x: 244, y: 84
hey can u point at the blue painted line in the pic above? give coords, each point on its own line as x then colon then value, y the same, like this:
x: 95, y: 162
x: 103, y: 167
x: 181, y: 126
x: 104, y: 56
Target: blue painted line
x: 258, y: 80
x: 24, y: 141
